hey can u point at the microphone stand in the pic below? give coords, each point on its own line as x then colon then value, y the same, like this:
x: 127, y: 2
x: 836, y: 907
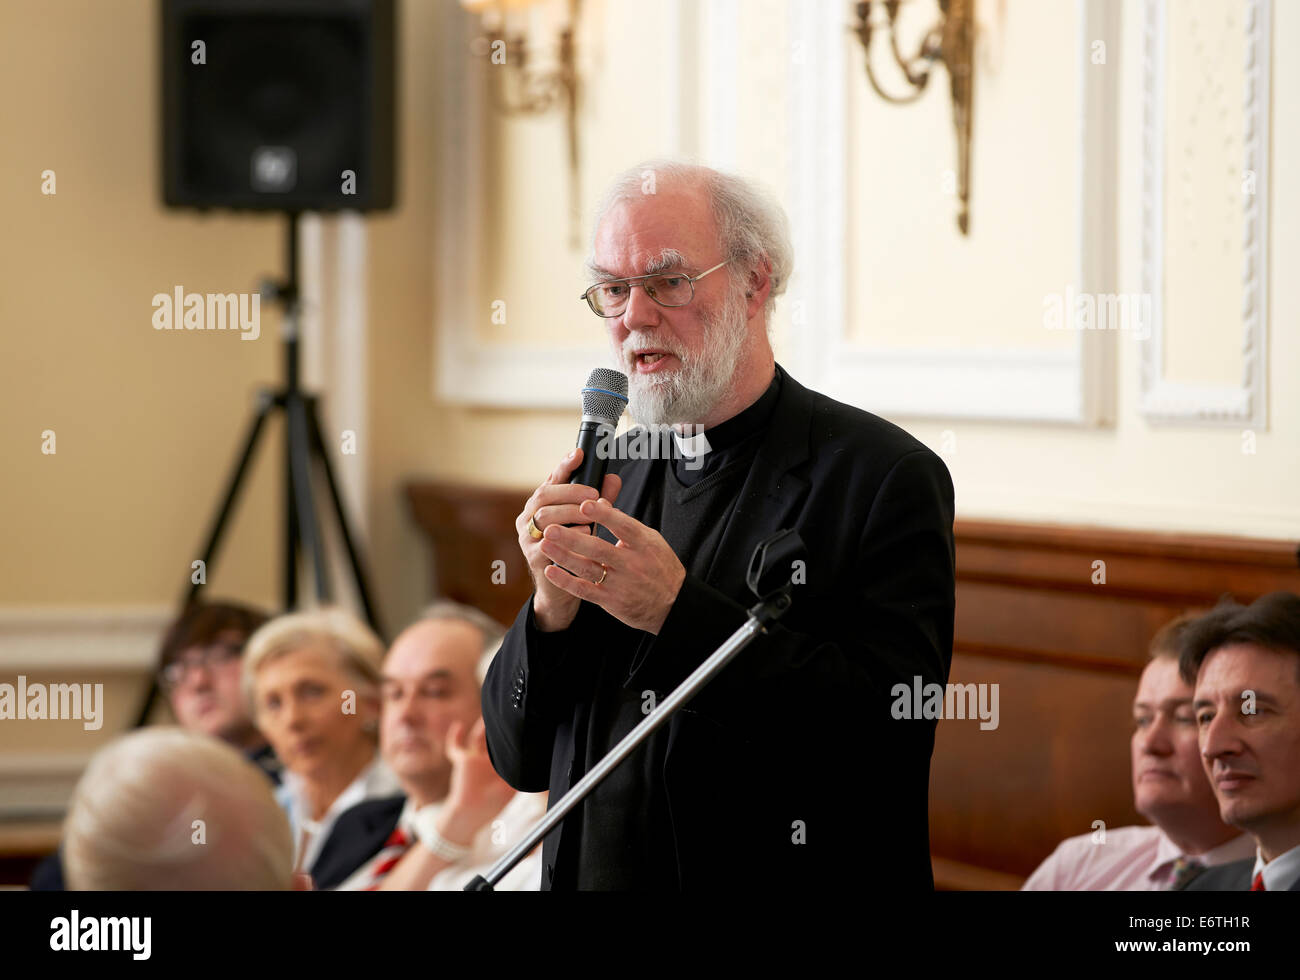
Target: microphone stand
x: 772, y: 554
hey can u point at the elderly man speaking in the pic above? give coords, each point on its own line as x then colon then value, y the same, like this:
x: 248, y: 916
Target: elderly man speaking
x: 788, y: 770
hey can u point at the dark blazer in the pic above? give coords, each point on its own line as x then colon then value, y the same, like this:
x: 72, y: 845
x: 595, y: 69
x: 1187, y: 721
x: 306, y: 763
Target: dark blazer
x: 1235, y: 876
x: 358, y: 835
x: 794, y: 740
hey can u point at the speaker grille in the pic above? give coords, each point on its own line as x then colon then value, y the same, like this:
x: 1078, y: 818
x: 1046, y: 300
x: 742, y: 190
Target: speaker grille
x: 291, y: 95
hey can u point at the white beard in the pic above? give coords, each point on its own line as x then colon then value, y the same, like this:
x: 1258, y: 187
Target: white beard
x: 689, y: 394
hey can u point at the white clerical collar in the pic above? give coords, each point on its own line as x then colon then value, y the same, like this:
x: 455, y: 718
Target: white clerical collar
x: 692, y: 446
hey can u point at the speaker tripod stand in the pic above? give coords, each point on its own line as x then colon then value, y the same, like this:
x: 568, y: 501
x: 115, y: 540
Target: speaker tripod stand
x: 304, y: 446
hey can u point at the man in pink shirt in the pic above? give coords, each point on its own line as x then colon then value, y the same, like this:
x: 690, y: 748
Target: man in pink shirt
x: 1169, y: 789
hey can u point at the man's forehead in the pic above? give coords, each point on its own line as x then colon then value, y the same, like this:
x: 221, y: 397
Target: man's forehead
x: 636, y: 231
x: 1234, y: 659
x: 446, y: 646
x: 1233, y: 668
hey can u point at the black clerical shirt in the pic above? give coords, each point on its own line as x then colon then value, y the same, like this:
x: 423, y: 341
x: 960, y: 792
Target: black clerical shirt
x: 624, y: 827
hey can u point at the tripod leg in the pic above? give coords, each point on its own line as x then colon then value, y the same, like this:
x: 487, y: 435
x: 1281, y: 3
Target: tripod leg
x: 265, y: 404
x: 359, y: 576
x: 291, y: 542
x: 300, y: 459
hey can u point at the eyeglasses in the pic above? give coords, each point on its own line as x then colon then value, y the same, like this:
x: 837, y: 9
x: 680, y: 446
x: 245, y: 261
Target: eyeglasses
x: 610, y: 298
x: 214, y: 655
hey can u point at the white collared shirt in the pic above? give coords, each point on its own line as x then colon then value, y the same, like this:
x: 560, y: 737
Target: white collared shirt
x: 375, y: 780
x: 1280, y: 873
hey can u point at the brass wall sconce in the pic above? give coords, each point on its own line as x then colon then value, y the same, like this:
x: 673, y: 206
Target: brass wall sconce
x: 521, y: 89
x: 952, y: 42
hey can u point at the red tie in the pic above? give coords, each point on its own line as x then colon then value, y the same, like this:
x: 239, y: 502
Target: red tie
x: 392, y: 851
x: 1258, y: 884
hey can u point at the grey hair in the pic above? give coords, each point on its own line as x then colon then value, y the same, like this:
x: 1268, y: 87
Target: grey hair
x: 358, y: 650
x: 493, y: 632
x: 752, y: 225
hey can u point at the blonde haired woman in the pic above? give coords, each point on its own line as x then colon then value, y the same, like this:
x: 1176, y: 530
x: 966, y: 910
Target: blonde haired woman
x: 312, y: 680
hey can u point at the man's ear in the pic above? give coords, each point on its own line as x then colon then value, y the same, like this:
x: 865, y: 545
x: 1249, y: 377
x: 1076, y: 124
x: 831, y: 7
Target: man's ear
x: 758, y: 287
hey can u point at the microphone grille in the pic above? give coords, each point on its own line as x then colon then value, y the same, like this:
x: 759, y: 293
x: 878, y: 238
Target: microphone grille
x: 605, y: 395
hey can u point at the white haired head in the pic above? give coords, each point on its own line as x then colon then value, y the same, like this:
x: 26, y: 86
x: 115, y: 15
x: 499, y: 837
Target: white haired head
x: 753, y: 230
x: 166, y: 808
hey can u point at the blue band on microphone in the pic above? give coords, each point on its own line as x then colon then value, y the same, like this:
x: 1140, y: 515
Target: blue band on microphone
x: 606, y: 391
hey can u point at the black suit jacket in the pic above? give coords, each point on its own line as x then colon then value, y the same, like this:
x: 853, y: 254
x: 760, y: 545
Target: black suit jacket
x: 1235, y: 876
x: 788, y: 770
x: 358, y: 835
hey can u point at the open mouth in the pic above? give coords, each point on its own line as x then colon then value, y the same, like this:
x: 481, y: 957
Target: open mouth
x: 649, y: 360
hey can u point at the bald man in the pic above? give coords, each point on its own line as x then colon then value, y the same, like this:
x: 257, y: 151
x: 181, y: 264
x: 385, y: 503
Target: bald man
x: 164, y: 808
x: 455, y: 814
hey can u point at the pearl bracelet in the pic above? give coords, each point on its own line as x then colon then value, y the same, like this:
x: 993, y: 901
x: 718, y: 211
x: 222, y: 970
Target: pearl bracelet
x: 426, y: 830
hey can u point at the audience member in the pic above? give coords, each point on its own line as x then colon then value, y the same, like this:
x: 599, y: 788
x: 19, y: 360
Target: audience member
x: 312, y: 679
x: 199, y: 671
x: 165, y: 808
x: 457, y: 816
x: 1169, y: 789
x: 1245, y: 663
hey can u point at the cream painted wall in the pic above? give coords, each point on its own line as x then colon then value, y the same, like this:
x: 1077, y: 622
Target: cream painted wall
x: 1140, y: 475
x: 146, y: 422
x: 914, y: 281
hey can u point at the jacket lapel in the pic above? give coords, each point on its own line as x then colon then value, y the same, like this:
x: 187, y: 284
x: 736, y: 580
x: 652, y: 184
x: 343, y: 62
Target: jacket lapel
x: 771, y: 492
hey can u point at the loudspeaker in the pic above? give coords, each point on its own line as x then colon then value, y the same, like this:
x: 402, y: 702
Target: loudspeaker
x: 278, y: 105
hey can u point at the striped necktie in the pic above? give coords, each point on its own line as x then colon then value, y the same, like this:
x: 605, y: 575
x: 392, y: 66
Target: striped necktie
x: 397, y: 845
x: 1184, y: 869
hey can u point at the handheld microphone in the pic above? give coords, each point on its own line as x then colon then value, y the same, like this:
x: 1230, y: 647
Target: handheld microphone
x: 603, y: 399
